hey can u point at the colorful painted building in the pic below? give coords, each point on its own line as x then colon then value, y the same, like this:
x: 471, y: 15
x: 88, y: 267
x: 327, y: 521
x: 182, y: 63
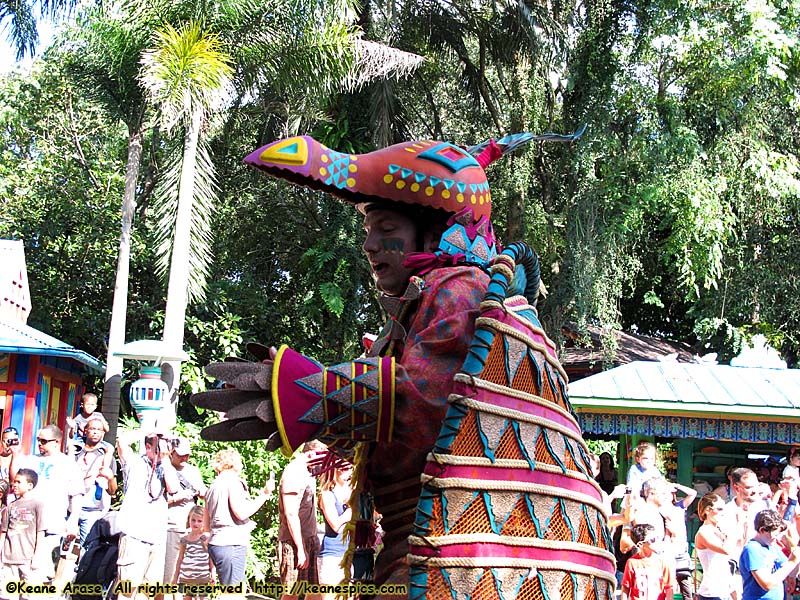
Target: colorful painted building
x: 41, y: 377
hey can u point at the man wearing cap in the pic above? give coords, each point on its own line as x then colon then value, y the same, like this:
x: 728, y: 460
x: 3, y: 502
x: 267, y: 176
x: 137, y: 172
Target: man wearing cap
x: 95, y: 460
x: 179, y: 503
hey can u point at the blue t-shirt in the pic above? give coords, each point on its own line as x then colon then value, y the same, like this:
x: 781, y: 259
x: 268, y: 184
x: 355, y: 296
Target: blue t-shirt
x: 637, y: 476
x: 755, y: 556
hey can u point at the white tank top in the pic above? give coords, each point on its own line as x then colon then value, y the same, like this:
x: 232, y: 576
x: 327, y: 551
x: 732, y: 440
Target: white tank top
x: 717, y: 578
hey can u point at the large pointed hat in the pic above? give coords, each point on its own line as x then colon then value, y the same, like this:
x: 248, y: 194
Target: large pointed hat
x: 428, y: 173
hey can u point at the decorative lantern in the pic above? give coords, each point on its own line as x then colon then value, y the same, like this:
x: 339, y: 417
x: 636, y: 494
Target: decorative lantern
x: 149, y: 394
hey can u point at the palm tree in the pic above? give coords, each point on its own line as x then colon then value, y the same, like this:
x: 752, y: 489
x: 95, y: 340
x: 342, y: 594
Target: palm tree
x: 105, y: 48
x: 185, y: 75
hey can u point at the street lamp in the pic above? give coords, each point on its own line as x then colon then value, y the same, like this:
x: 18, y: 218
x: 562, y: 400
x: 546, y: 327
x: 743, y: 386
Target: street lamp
x: 149, y: 395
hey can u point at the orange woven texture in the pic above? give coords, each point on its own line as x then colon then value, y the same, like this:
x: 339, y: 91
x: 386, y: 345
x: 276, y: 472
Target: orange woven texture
x: 475, y: 519
x: 557, y: 528
x: 519, y: 522
x: 543, y: 454
x: 438, y: 588
x: 584, y: 535
x: 436, y: 522
x: 508, y: 446
x: 531, y: 589
x: 569, y: 462
x: 588, y: 593
x: 567, y: 587
x: 467, y: 441
x: 494, y: 369
x: 486, y: 588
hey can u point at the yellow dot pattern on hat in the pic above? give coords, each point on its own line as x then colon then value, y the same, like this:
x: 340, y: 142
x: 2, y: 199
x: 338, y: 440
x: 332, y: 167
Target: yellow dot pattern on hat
x: 419, y: 182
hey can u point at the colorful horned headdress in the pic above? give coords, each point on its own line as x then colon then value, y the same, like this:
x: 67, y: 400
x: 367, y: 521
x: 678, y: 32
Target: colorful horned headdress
x: 432, y: 174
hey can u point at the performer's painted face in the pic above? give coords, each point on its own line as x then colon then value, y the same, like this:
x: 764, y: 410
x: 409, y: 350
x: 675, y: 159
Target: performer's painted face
x: 390, y: 236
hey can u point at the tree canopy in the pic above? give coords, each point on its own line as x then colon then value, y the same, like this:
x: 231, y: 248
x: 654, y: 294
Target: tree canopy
x: 675, y: 214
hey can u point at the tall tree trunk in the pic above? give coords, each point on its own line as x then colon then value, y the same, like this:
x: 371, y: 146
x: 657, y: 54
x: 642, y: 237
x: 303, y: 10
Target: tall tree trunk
x: 175, y: 314
x: 515, y: 223
x: 116, y: 334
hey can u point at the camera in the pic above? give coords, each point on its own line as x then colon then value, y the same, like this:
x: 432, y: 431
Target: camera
x: 72, y: 546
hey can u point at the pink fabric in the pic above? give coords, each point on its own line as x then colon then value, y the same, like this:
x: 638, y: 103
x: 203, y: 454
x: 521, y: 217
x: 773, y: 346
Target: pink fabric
x: 490, y: 154
x: 498, y: 550
x: 434, y: 349
x: 515, y: 475
x: 293, y: 401
x: 512, y: 403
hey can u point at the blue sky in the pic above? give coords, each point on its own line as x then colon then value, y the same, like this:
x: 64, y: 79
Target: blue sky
x: 8, y: 53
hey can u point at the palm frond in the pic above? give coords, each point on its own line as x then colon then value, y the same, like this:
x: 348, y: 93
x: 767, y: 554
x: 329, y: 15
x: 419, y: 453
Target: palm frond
x: 375, y: 61
x: 22, y: 33
x: 165, y: 206
x: 185, y: 71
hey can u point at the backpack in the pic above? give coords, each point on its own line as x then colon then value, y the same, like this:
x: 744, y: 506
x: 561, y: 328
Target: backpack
x: 99, y: 561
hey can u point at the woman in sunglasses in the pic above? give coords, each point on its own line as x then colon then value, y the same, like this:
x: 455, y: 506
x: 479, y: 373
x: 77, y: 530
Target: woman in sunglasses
x: 716, y: 551
x: 9, y: 447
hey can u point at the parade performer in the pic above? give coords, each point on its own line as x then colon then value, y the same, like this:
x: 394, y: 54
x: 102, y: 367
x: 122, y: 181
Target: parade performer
x: 457, y: 417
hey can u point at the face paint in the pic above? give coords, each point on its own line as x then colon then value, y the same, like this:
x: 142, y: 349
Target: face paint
x: 394, y: 245
x: 390, y: 235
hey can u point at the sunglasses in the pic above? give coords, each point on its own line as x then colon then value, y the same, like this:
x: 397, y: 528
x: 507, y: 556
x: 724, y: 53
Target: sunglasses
x: 45, y: 441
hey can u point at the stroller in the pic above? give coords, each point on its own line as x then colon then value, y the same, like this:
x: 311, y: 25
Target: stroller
x: 98, y: 564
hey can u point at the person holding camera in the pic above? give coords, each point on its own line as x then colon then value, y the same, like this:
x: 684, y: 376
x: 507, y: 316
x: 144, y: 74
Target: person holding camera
x: 180, y: 503
x: 142, y: 518
x: 334, y: 494
x: 9, y: 448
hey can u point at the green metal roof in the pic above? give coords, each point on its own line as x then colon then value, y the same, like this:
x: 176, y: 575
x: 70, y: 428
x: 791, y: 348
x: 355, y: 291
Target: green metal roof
x: 19, y: 338
x: 691, y: 400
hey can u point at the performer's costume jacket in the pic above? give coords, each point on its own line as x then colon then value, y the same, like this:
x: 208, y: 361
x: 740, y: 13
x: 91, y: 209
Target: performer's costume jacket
x: 468, y: 441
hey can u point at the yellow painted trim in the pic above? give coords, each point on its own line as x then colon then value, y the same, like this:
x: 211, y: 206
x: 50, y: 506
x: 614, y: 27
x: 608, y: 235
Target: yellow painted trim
x: 352, y: 399
x: 392, y: 366
x: 286, y: 447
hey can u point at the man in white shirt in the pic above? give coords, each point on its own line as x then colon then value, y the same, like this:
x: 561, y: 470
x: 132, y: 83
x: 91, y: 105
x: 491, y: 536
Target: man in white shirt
x: 181, y: 502
x: 60, y: 488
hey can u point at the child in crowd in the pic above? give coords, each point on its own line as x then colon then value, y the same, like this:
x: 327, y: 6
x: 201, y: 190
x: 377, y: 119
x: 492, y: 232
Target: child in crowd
x: 792, y: 468
x: 194, y: 565
x: 22, y: 532
x: 644, y: 467
x: 76, y: 426
x: 763, y: 565
x: 647, y: 575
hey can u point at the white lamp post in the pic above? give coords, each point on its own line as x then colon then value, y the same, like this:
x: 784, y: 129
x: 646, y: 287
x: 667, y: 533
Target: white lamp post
x: 149, y: 395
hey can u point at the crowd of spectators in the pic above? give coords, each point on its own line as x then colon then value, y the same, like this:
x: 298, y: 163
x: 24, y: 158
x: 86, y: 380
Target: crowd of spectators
x: 745, y: 548
x: 169, y: 528
x: 174, y: 529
